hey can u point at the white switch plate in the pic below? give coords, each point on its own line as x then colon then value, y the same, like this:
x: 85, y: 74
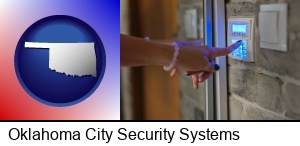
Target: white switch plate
x: 273, y: 27
x: 190, y: 23
x: 268, y: 27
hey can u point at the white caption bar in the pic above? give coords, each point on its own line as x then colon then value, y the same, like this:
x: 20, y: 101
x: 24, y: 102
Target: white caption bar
x: 148, y: 133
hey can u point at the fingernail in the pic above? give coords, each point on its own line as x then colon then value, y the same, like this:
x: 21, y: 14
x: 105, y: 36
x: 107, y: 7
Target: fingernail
x: 217, y: 67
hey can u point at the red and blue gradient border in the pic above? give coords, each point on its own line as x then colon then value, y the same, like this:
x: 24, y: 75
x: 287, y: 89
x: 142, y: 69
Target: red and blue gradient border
x: 16, y: 16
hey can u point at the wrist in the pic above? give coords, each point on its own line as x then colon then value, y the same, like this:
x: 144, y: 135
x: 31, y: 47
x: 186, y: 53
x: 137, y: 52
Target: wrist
x: 173, y: 61
x: 165, y: 55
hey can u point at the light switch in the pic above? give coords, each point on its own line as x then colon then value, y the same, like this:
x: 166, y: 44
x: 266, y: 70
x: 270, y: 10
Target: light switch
x: 269, y: 27
x: 273, y: 27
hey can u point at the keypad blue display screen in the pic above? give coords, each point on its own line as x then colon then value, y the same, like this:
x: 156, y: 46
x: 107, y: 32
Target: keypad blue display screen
x: 239, y: 28
x: 241, y: 51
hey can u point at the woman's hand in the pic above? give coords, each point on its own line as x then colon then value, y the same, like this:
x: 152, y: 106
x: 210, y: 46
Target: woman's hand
x: 181, y: 43
x: 198, y: 59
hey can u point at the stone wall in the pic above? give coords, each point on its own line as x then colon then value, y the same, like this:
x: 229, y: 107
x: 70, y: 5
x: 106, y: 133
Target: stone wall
x: 269, y: 88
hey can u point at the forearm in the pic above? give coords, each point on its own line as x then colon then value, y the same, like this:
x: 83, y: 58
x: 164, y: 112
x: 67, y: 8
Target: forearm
x: 140, y: 52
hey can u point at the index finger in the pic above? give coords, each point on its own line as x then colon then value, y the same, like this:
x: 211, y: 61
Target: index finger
x: 225, y: 51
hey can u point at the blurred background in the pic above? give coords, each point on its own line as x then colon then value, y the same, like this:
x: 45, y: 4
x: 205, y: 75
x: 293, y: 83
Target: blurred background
x: 149, y: 93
